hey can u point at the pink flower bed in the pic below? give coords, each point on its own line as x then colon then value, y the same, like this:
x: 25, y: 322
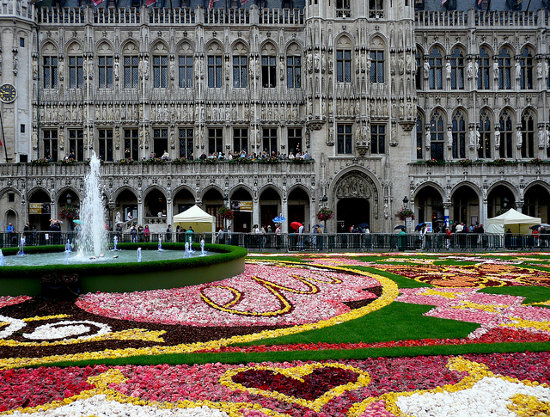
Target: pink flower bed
x: 265, y: 385
x: 256, y: 297
x: 490, y: 310
x: 6, y: 300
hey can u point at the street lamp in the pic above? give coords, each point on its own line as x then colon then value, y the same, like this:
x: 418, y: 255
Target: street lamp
x: 69, y: 199
x: 324, y: 200
x: 405, y: 201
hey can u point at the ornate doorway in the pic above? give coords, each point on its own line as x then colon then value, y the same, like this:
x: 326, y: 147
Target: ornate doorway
x: 356, y: 198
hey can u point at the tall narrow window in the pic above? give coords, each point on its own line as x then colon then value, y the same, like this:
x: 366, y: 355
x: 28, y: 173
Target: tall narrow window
x: 50, y: 72
x: 269, y: 71
x: 343, y: 66
x: 76, y: 71
x: 344, y: 138
x: 437, y: 135
x: 240, y: 71
x: 186, y: 143
x: 483, y: 79
x: 160, y: 141
x: 105, y: 137
x: 485, y: 134
x: 526, y: 63
x: 436, y: 69
x: 504, y: 69
x: 377, y: 67
x: 215, y: 141
x: 293, y: 71
x: 342, y: 8
x: 506, y: 134
x: 295, y: 140
x: 185, y: 69
x: 548, y: 74
x: 269, y: 139
x: 160, y: 71
x: 459, y: 135
x: 50, y: 144
x: 528, y: 125
x: 418, y: 75
x: 457, y: 69
x: 419, y: 137
x: 131, y: 64
x: 131, y: 144
x: 377, y: 139
x: 240, y: 140
x: 214, y: 71
x: 76, y: 144
x: 105, y: 71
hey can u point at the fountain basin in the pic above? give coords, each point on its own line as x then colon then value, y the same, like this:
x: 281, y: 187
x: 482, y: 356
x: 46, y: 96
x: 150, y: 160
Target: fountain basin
x: 126, y: 276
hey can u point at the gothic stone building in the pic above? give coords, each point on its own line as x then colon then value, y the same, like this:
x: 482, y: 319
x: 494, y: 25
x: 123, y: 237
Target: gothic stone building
x: 398, y: 102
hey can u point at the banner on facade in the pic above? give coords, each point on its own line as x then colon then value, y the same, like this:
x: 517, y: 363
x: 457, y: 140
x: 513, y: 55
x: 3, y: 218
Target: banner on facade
x: 237, y: 205
x: 35, y: 208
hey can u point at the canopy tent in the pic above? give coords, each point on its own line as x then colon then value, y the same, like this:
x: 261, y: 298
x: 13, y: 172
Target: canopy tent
x: 195, y: 217
x: 514, y: 220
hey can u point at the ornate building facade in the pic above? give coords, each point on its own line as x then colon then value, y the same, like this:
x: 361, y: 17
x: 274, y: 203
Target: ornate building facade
x: 442, y: 111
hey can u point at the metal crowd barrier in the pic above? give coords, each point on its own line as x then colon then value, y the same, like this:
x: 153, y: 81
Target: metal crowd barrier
x: 338, y: 242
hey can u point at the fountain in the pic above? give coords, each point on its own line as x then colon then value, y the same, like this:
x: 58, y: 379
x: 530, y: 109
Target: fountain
x: 92, y: 236
x: 162, y: 268
x: 21, y: 246
x: 203, y: 253
x: 115, y: 243
x: 2, y: 260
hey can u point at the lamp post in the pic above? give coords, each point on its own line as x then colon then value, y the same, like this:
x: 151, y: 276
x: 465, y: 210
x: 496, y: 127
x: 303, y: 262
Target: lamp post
x: 405, y: 202
x: 324, y: 201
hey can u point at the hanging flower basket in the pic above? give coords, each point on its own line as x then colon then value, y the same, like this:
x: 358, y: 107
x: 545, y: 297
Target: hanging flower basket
x: 225, y: 213
x: 325, y: 214
x: 69, y: 213
x: 404, y: 213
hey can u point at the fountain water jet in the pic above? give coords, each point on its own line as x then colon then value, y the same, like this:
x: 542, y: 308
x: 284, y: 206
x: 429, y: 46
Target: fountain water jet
x: 92, y: 236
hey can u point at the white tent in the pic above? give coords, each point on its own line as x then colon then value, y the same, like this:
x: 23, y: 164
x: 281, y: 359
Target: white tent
x: 514, y: 220
x: 201, y: 221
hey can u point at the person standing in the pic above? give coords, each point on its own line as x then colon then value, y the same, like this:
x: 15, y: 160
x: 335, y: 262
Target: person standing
x: 169, y: 233
x: 147, y: 233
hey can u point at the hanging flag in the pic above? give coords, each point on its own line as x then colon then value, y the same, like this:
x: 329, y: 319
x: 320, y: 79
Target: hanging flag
x: 211, y: 4
x: 443, y: 2
x: 97, y: 2
x: 150, y: 2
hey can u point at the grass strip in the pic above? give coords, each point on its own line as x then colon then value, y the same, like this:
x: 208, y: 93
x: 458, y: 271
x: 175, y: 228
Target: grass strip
x: 398, y: 321
x: 285, y: 356
x: 531, y: 294
x: 401, y: 281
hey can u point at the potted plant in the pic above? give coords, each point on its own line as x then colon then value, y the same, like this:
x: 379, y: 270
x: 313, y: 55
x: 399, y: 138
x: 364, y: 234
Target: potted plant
x: 325, y: 214
x: 225, y: 213
x: 404, y: 213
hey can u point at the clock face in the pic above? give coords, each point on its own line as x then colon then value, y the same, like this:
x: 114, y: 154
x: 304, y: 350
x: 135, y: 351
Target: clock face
x: 7, y: 93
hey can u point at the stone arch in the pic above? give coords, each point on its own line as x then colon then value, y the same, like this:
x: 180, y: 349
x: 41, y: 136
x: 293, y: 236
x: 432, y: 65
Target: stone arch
x: 183, y: 187
x: 240, y: 47
x: 6, y: 190
x: 465, y: 199
x: 536, y: 200
x: 160, y: 47
x: 460, y: 46
x: 74, y: 47
x: 155, y: 202
x: 299, y: 205
x: 294, y: 48
x: 49, y: 47
x: 488, y: 48
x: 242, y: 220
x: 270, y: 204
x: 429, y: 201
x: 508, y: 46
x: 344, y: 40
x: 210, y: 187
x: 270, y: 185
x: 183, y: 198
x: 130, y: 47
x: 433, y: 185
x: 268, y: 48
x: 356, y: 198
x: 126, y: 200
x: 185, y: 47
x: 439, y: 46
x: 39, y: 216
x: 378, y: 41
x: 104, y: 47
x: 214, y: 47
x: 501, y: 195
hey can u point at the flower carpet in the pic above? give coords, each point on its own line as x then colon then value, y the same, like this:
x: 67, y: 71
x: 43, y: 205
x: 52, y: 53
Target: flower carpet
x: 354, y: 335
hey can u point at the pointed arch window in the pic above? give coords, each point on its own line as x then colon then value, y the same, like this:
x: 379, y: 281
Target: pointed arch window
x: 528, y: 124
x: 436, y: 69
x: 459, y: 135
x: 504, y: 69
x: 526, y: 64
x: 457, y: 69
x: 484, y: 150
x: 437, y: 137
x: 506, y: 134
x: 419, y: 137
x: 418, y: 74
x: 484, y: 62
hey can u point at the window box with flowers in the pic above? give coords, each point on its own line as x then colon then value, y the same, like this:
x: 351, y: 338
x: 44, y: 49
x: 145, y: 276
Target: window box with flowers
x: 325, y: 214
x: 404, y: 213
x: 68, y: 213
x: 225, y: 213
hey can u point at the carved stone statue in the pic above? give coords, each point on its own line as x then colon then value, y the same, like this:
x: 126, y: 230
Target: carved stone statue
x: 448, y: 70
x: 116, y: 69
x: 427, y: 139
x: 495, y: 70
x: 478, y: 139
x: 497, y: 138
x: 470, y: 70
x: 449, y: 137
x: 472, y: 137
x: 517, y: 70
x: 426, y: 69
x: 519, y: 138
x: 541, y: 135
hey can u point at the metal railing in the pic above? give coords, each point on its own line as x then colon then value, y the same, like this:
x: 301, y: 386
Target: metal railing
x: 338, y: 242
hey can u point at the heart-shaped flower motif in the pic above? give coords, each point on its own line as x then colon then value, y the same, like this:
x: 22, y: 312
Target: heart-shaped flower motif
x: 311, y: 385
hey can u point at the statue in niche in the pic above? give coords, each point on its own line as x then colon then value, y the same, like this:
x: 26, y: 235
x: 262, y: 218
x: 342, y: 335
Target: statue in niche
x: 472, y: 137
x: 542, y: 137
x: 448, y: 70
x: 497, y: 138
x: 116, y: 69
x: 517, y: 70
x: 426, y: 69
x: 449, y: 137
x: 519, y: 138
x: 495, y: 70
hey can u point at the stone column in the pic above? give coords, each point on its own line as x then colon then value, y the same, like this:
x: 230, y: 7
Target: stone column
x: 483, y: 211
x: 284, y: 211
x: 255, y: 212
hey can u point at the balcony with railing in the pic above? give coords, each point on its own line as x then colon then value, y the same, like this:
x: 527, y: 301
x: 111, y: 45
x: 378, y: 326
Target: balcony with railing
x: 479, y: 169
x: 427, y: 19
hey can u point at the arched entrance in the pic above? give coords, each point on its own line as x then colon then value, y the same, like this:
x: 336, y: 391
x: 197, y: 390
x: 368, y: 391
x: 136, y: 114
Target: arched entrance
x: 212, y: 200
x: 500, y: 200
x: 298, y: 207
x: 126, y: 203
x: 182, y: 201
x: 241, y: 204
x: 429, y: 203
x: 40, y: 210
x: 68, y: 207
x: 465, y: 205
x: 270, y: 207
x: 355, y: 193
x: 536, y: 202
